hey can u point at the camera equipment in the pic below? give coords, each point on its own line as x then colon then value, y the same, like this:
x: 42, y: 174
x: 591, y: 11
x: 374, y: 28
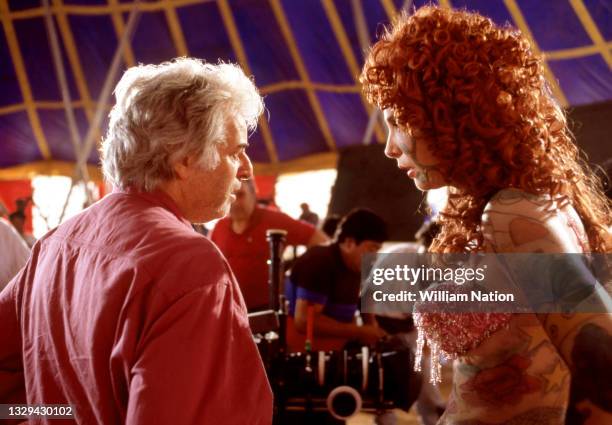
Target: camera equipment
x: 325, y: 386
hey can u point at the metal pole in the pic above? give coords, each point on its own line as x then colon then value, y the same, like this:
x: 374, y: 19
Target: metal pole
x: 72, y: 183
x: 406, y: 6
x: 361, y: 26
x: 108, y: 86
x: 364, y: 42
x: 105, y: 94
x: 367, y: 136
x: 63, y: 85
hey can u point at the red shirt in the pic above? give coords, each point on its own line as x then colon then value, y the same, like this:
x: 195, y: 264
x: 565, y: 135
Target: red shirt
x: 248, y: 252
x: 130, y: 316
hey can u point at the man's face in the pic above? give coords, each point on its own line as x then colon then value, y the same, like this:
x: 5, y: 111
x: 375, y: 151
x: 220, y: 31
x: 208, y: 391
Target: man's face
x: 355, y: 252
x: 211, y: 192
x: 243, y: 206
x: 413, y: 156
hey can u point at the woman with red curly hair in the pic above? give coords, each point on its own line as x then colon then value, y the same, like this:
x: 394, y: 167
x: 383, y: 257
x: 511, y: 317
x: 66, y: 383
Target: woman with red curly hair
x: 468, y: 107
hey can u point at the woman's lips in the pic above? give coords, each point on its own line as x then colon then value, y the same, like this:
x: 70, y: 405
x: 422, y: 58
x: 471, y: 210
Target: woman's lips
x: 412, y: 173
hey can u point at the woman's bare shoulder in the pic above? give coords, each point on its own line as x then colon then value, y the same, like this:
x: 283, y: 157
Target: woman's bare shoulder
x: 517, y: 221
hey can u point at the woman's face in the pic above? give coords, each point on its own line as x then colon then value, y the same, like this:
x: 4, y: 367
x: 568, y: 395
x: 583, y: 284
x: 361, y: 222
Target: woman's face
x: 413, y: 156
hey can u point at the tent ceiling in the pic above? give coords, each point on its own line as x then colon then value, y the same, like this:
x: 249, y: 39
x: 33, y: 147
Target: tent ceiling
x: 305, y: 56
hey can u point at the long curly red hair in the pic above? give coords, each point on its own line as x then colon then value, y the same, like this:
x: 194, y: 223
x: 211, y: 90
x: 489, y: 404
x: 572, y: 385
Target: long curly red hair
x: 476, y: 94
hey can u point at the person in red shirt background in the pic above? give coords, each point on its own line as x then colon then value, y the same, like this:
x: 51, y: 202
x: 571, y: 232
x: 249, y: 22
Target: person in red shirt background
x: 241, y: 237
x: 124, y: 312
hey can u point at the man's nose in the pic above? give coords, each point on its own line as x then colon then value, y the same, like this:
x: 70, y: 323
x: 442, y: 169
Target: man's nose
x: 245, y: 172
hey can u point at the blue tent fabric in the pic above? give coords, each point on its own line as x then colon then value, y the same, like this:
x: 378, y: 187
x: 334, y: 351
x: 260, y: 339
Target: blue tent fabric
x: 305, y: 56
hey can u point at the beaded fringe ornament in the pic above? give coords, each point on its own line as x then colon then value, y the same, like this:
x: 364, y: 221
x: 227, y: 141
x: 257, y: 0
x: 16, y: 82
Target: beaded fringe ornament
x: 453, y: 335
x: 435, y: 375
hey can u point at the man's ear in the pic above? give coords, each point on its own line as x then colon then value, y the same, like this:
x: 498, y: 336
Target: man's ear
x: 348, y: 243
x: 182, y: 167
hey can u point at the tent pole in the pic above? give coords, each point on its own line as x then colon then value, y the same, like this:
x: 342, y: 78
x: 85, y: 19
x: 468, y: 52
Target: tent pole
x: 360, y: 24
x: 407, y: 5
x: 63, y: 85
x: 61, y: 218
x: 364, y: 42
x: 108, y: 86
x: 367, y: 136
x: 105, y: 95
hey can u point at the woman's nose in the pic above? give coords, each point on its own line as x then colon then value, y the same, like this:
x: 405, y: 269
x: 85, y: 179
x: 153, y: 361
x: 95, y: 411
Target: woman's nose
x: 391, y: 149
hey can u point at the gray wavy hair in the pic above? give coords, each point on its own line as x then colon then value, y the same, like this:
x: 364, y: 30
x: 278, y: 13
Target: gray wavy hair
x: 167, y: 112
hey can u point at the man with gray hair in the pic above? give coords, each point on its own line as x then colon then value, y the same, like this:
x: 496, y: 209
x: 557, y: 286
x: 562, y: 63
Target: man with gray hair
x: 124, y: 312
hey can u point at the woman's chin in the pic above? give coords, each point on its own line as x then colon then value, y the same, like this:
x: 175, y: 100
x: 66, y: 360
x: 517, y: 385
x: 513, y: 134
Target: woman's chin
x: 424, y: 186
x: 423, y: 183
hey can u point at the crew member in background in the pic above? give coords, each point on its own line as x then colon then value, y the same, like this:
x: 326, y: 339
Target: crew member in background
x: 3, y: 210
x: 13, y: 252
x: 18, y: 219
x: 327, y: 280
x: 307, y: 215
x: 241, y: 237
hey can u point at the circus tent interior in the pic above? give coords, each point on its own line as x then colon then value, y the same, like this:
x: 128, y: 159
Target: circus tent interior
x: 61, y: 58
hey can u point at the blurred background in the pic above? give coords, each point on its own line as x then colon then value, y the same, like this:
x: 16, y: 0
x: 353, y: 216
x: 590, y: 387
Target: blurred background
x: 60, y: 59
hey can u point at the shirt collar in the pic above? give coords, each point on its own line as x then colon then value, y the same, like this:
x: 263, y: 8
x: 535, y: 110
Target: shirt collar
x: 158, y: 197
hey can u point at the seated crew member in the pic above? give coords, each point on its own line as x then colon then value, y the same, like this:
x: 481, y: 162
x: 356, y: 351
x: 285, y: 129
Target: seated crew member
x: 241, y: 237
x: 123, y: 311
x: 328, y: 280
